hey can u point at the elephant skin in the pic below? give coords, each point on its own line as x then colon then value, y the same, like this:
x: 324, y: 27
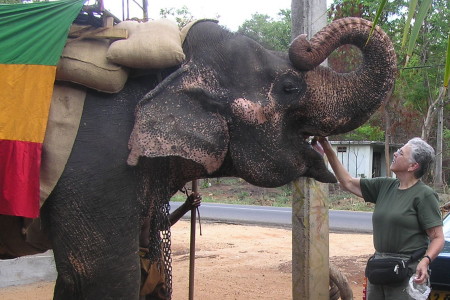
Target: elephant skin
x: 233, y: 103
x: 232, y: 108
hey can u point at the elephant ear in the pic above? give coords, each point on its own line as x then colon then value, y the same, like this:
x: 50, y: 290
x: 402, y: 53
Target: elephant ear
x: 179, y: 124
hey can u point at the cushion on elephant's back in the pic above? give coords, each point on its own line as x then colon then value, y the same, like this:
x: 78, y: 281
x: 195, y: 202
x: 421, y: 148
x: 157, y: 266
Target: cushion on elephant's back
x: 150, y: 45
x: 84, y: 62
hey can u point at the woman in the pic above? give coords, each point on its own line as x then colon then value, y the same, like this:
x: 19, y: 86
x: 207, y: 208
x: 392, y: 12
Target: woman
x: 406, y: 217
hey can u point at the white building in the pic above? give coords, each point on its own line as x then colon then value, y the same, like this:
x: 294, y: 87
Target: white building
x: 364, y: 159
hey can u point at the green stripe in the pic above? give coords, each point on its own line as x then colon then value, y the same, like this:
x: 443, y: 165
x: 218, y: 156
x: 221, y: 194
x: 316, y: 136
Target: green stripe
x: 36, y: 33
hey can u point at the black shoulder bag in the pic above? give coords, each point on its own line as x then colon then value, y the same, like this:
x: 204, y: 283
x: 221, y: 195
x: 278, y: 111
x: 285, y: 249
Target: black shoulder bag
x: 389, y: 270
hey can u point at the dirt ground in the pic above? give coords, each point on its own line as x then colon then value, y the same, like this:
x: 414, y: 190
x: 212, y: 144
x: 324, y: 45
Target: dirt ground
x: 238, y: 262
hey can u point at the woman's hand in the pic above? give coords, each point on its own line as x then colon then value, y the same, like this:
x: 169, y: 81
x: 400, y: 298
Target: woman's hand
x: 422, y: 271
x: 324, y: 144
x: 317, y: 146
x: 437, y: 241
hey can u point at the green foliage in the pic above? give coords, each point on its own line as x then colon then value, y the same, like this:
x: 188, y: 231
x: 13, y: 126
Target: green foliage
x: 205, y: 183
x: 447, y: 63
x: 347, y: 8
x: 419, y: 82
x: 365, y: 132
x: 427, y: 37
x: 419, y: 19
x: 367, y: 9
x: 446, y: 135
x: 182, y: 15
x: 274, y: 34
x: 411, y: 10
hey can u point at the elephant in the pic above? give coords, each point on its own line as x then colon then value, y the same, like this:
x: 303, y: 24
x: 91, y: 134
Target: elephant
x: 232, y: 108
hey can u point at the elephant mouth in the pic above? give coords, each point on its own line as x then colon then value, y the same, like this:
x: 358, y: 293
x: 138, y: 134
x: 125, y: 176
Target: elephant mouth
x: 312, y: 142
x: 314, y: 160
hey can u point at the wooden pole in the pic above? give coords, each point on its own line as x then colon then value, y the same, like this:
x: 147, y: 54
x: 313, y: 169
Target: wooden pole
x: 192, y: 243
x: 310, y: 273
x: 438, y: 181
x: 310, y: 244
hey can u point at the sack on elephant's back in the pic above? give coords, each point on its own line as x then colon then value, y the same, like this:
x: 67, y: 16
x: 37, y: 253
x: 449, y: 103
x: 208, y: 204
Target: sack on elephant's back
x: 84, y: 62
x: 150, y: 45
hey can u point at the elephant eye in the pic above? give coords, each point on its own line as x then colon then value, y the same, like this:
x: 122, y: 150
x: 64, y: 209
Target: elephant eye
x: 291, y: 88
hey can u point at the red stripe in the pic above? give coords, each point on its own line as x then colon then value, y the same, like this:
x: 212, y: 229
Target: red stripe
x: 19, y: 178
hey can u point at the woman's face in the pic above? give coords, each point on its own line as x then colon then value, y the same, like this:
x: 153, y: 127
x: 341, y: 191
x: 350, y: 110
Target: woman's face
x: 403, y: 161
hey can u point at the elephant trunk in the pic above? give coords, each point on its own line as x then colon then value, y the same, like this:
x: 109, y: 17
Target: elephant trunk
x: 350, y: 98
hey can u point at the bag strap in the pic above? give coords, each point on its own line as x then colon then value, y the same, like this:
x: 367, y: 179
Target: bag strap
x: 417, y: 254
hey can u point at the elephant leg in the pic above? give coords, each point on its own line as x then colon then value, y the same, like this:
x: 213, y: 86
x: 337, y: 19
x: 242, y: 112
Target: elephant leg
x: 104, y: 282
x: 95, y: 250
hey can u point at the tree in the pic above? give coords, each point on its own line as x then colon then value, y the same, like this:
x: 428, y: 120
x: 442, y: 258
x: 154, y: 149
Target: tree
x: 182, y: 15
x: 274, y: 34
x: 365, y: 132
x: 434, y: 35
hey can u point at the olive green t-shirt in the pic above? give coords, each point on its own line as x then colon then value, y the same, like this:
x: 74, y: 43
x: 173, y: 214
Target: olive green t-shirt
x: 401, y: 217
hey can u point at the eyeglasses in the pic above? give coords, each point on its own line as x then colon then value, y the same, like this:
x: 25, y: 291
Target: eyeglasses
x: 400, y: 152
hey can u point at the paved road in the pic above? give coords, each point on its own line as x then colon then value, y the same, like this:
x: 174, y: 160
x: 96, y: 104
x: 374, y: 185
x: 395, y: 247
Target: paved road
x: 349, y: 221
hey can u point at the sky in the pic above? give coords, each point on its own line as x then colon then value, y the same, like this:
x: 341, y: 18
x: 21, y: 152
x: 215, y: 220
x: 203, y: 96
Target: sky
x: 232, y: 12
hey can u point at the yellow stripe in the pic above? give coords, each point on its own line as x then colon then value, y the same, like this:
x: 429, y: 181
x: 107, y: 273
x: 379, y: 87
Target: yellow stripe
x: 25, y: 96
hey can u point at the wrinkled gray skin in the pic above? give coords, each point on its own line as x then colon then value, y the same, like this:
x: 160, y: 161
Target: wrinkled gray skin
x: 236, y: 109
x: 232, y: 109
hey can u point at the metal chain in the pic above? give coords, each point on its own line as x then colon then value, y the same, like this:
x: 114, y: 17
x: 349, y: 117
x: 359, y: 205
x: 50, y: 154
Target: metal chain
x: 159, y: 248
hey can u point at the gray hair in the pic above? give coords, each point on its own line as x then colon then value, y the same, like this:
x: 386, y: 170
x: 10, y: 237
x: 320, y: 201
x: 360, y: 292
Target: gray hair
x: 423, y: 154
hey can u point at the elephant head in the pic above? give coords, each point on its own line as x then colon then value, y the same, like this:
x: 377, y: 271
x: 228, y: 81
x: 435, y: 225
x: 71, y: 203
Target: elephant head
x: 234, y: 108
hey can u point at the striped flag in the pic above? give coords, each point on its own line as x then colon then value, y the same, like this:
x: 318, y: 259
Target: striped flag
x: 32, y: 37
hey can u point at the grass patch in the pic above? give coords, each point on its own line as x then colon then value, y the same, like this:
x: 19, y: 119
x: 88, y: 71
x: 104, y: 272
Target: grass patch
x: 231, y: 190
x: 236, y: 191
